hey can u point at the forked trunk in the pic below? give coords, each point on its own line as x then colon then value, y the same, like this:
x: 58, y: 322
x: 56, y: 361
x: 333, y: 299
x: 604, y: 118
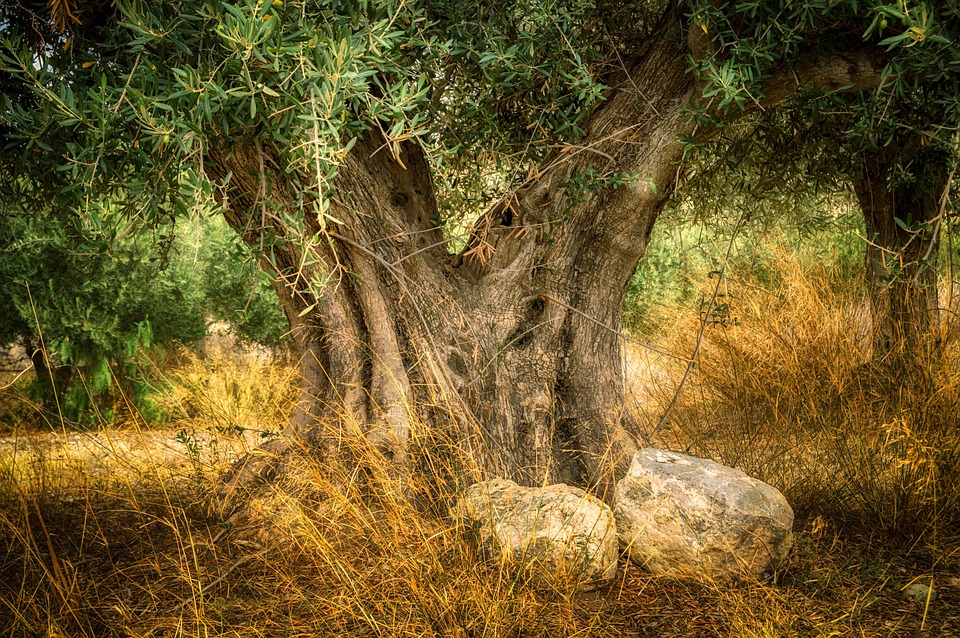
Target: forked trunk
x: 515, y: 338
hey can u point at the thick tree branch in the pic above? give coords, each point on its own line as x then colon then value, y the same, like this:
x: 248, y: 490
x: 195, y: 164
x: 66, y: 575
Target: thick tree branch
x: 853, y: 70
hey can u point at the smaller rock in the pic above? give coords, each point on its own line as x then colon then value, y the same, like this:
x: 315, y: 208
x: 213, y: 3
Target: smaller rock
x: 559, y: 531
x: 919, y: 592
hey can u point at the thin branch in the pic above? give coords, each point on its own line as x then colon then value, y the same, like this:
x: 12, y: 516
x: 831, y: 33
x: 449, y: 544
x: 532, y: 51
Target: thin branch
x: 703, y: 329
x: 443, y: 242
x: 944, y: 201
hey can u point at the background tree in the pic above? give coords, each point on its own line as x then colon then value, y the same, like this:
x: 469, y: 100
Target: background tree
x: 330, y: 133
x: 95, y: 302
x: 234, y: 289
x: 903, y: 155
x: 895, y: 148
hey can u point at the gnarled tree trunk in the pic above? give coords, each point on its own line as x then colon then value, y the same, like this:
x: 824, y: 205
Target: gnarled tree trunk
x: 518, y: 333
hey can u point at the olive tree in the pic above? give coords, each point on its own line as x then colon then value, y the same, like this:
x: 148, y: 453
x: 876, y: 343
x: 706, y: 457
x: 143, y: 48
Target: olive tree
x: 452, y: 197
x: 895, y: 149
x: 89, y: 306
x: 88, y: 302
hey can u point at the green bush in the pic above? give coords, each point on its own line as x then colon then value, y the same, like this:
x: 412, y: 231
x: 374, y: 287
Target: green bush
x: 99, y: 298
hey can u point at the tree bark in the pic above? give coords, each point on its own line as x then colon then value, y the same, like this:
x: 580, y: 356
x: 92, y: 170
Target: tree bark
x: 51, y: 378
x: 902, y: 223
x: 516, y: 337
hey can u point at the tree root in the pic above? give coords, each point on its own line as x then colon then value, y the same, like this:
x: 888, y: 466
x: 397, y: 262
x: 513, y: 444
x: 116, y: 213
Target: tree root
x: 246, y: 476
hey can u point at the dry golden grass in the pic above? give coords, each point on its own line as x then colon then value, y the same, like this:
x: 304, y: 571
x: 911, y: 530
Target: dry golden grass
x: 230, y: 392
x: 328, y: 552
x: 107, y: 533
x: 786, y: 389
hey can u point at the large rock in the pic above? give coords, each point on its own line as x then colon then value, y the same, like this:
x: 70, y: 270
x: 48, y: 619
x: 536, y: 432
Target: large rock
x: 560, y: 531
x: 682, y: 516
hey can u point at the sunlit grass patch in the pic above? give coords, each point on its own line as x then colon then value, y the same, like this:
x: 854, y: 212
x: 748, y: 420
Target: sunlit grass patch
x: 323, y: 552
x: 227, y: 391
x: 786, y: 389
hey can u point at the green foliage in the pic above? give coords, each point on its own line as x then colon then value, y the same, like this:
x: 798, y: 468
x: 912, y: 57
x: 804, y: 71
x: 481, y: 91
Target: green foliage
x: 824, y: 139
x: 751, y: 37
x: 89, y: 301
x: 129, y: 106
x: 663, y: 276
x: 101, y: 300
x: 97, y: 312
x: 234, y: 288
x: 151, y: 87
x: 684, y: 250
x: 124, y: 110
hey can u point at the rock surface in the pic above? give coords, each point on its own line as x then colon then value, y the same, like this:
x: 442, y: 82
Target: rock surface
x: 683, y: 516
x: 919, y: 592
x: 559, y: 531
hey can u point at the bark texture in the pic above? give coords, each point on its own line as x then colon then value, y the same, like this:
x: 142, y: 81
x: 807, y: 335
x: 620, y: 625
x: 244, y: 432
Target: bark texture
x: 902, y: 224
x: 515, y: 338
x: 51, y: 378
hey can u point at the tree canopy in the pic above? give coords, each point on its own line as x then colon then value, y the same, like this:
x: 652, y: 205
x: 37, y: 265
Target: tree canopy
x: 123, y: 105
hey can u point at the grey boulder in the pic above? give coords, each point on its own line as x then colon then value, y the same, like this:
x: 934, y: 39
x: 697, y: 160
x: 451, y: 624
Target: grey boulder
x: 683, y: 517
x: 558, y: 531
x: 919, y: 592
